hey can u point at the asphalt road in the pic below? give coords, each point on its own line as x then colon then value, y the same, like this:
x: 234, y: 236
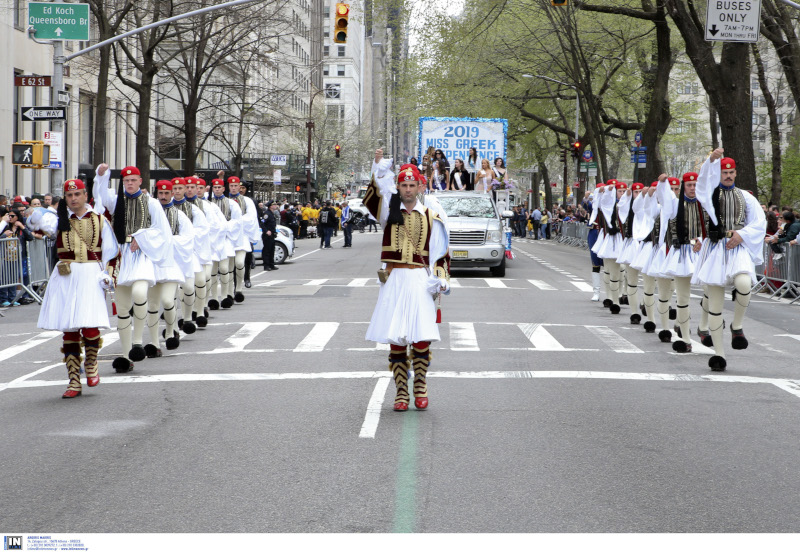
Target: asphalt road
x: 547, y: 414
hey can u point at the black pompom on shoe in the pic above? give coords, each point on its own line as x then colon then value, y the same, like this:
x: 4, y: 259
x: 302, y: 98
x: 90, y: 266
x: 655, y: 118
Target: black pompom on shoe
x: 681, y: 346
x: 705, y: 337
x: 202, y: 321
x: 673, y: 314
x: 213, y: 304
x: 227, y: 303
x: 180, y: 323
x: 194, y: 316
x: 173, y: 343
x: 152, y: 351
x: 738, y: 340
x: 137, y: 353
x: 189, y: 327
x: 717, y: 363
x: 635, y: 319
x: 650, y: 327
x: 607, y: 303
x: 614, y: 309
x: 665, y: 336
x: 623, y: 300
x: 122, y: 365
x: 205, y: 312
x: 239, y: 297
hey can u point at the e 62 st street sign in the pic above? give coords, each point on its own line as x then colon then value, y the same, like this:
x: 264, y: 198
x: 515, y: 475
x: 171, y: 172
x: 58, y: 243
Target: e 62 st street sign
x: 59, y: 21
x: 43, y: 113
x: 733, y: 20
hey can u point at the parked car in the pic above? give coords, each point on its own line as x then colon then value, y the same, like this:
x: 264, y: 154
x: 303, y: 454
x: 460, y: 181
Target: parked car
x: 476, y: 231
x: 284, y: 245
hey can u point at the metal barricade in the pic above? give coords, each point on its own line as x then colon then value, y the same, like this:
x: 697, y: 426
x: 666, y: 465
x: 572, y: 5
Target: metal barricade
x: 12, y: 261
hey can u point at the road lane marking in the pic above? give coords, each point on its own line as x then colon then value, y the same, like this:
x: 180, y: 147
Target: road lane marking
x: 316, y: 282
x: 454, y: 283
x: 270, y: 283
x: 317, y: 338
x: 611, y: 338
x: 406, y: 482
x: 542, y: 285
x: 492, y: 283
x: 38, y: 339
x: 540, y: 338
x: 26, y: 377
x: 359, y: 282
x: 463, y: 337
x: 582, y: 286
x: 373, y: 416
x: 242, y: 338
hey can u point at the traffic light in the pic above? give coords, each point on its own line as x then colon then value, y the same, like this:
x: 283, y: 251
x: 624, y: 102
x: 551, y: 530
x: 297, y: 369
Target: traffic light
x: 340, y: 20
x: 32, y: 154
x: 338, y: 149
x: 576, y: 150
x: 558, y: 2
x: 297, y: 188
x: 564, y: 156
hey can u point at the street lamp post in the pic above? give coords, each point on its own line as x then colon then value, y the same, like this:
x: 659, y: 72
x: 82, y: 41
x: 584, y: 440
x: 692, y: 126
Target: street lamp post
x: 310, y: 127
x: 577, y: 122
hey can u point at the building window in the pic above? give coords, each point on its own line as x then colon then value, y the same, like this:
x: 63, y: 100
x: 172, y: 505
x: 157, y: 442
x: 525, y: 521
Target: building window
x: 780, y: 101
x: 780, y: 118
x: 326, y: 70
x: 762, y: 119
x: 326, y: 50
x: 340, y: 52
x: 754, y: 84
x: 326, y: 33
x: 340, y: 70
x: 755, y: 119
x: 326, y: 10
x: 333, y: 91
x: 19, y: 17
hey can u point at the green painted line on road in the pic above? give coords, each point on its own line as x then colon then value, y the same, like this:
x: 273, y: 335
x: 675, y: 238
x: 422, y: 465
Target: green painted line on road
x: 405, y: 486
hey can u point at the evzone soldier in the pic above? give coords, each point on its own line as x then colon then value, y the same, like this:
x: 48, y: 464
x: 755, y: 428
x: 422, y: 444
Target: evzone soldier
x: 650, y: 226
x: 415, y: 269
x: 595, y: 231
x: 251, y: 233
x: 75, y: 300
x: 169, y: 275
x: 196, y: 192
x: 612, y: 245
x: 631, y: 211
x: 143, y: 233
x: 730, y: 252
x: 194, y: 289
x: 598, y: 219
x: 687, y: 229
x: 233, y: 235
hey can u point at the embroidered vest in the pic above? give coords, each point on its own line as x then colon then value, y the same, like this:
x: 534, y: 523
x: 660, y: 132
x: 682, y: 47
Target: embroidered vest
x: 198, y: 202
x: 242, y: 203
x: 186, y: 207
x: 137, y: 214
x: 399, y: 240
x: 732, y: 207
x: 172, y: 218
x: 223, y: 205
x: 84, y: 241
x: 695, y: 223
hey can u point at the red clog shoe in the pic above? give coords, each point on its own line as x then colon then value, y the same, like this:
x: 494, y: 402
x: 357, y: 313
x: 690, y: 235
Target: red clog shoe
x: 93, y: 382
x: 421, y: 403
x: 70, y: 394
x: 400, y: 407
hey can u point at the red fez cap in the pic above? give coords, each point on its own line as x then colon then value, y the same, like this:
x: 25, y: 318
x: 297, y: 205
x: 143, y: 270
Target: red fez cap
x: 74, y: 184
x: 164, y: 185
x: 217, y: 182
x: 408, y: 173
x: 234, y: 180
x: 727, y: 163
x: 201, y: 182
x: 690, y: 177
x: 130, y: 171
x: 654, y: 184
x: 674, y: 181
x: 637, y: 186
x: 621, y: 186
x: 190, y: 180
x: 613, y: 182
x: 179, y: 181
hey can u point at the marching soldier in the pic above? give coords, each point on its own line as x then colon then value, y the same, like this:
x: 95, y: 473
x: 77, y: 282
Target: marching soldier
x: 194, y: 289
x: 231, y: 238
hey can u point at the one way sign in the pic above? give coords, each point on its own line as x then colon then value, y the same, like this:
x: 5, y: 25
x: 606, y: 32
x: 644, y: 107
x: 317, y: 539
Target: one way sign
x: 733, y: 20
x: 43, y: 113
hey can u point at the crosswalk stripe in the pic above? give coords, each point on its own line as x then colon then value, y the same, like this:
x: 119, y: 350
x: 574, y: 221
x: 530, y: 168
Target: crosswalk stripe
x: 358, y: 282
x: 493, y: 283
x: 270, y: 283
x: 454, y: 283
x: 611, y: 338
x: 38, y: 339
x: 316, y: 282
x: 110, y: 339
x: 582, y: 286
x: 317, y: 338
x: 463, y: 337
x: 242, y: 338
x: 540, y: 338
x: 542, y: 285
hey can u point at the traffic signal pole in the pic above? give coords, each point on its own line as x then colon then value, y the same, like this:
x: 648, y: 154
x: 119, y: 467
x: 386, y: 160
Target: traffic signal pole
x: 59, y: 60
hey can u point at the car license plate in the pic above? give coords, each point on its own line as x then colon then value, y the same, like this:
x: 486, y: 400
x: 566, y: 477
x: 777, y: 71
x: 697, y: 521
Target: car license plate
x: 460, y: 254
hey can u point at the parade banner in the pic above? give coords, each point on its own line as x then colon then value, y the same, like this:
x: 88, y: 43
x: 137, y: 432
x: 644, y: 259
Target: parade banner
x: 454, y: 136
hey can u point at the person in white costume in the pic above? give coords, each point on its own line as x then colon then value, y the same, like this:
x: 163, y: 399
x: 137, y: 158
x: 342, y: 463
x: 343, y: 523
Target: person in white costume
x: 415, y: 256
x: 196, y: 192
x: 169, y: 275
x: 233, y: 236
x: 251, y: 233
x: 649, y: 229
x: 599, y: 218
x: 730, y: 253
x: 631, y: 211
x: 685, y: 230
x: 143, y: 233
x: 194, y: 289
x: 75, y: 302
x: 611, y: 246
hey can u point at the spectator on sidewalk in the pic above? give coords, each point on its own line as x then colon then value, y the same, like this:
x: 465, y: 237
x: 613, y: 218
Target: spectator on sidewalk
x: 347, y: 227
x: 544, y: 223
x: 327, y: 222
x: 536, y: 220
x: 13, y: 252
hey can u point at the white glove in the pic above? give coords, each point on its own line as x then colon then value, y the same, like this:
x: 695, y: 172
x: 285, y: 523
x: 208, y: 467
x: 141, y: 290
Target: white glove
x: 437, y: 285
x: 105, y: 281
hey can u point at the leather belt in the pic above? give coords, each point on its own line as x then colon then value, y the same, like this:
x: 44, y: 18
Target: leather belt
x: 391, y: 266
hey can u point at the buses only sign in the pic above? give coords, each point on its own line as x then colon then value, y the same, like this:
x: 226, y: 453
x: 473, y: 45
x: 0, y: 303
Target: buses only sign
x: 733, y: 20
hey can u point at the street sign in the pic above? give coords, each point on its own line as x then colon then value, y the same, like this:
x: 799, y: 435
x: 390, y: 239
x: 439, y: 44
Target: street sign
x: 63, y: 98
x: 637, y: 139
x: 276, y: 177
x: 55, y: 141
x: 28, y: 80
x: 59, y: 21
x: 588, y: 166
x: 588, y: 155
x: 278, y: 160
x: 733, y: 21
x: 44, y: 113
x: 554, y: 184
x: 592, y: 172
